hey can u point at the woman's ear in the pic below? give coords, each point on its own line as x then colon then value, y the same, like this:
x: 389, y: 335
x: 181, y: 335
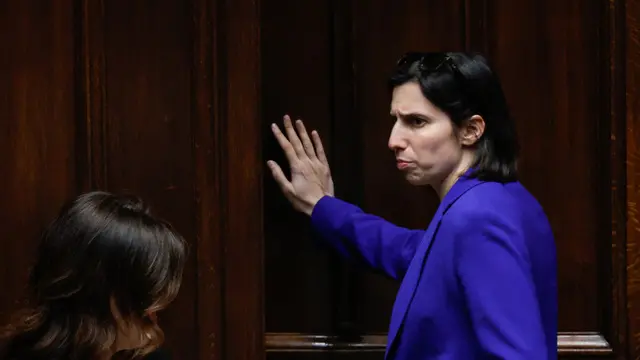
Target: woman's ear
x: 472, y: 130
x: 153, y: 316
x: 114, y: 309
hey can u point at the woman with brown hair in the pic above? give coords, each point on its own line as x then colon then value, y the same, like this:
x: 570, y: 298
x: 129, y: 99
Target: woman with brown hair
x: 104, y: 267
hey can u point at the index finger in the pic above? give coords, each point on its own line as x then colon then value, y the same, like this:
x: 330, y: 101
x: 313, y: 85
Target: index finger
x: 286, y: 146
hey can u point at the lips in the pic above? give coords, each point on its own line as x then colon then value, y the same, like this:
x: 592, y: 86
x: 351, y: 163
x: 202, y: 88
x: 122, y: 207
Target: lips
x: 402, y: 164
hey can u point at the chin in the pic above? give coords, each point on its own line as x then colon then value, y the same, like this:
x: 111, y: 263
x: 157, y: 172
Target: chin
x: 416, y: 180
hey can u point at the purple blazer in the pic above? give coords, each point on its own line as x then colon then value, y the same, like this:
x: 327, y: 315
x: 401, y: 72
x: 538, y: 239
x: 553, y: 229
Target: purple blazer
x: 479, y: 283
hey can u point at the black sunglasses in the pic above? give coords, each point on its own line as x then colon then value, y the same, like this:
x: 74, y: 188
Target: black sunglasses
x: 428, y: 62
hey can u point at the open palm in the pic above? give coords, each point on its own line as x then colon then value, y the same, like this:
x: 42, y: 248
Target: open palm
x: 310, y: 173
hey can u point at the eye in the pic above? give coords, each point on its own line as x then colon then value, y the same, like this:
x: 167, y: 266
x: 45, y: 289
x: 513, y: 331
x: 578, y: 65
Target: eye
x: 416, y: 121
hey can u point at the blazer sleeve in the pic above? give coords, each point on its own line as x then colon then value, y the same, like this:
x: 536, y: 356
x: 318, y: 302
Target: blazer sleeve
x: 494, y: 270
x: 365, y: 238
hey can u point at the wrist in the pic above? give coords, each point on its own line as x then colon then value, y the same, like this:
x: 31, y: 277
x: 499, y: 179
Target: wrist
x: 308, y: 209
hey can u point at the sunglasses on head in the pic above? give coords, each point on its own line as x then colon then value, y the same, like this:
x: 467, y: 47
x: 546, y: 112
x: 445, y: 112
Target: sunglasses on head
x: 428, y: 62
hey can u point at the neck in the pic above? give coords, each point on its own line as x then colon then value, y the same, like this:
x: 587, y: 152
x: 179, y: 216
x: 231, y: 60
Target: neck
x: 443, y: 187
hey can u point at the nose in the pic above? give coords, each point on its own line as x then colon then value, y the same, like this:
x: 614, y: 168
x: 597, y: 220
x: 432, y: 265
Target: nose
x: 397, y: 141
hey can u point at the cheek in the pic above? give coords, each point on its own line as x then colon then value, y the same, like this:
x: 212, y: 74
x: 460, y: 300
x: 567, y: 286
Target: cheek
x: 435, y: 144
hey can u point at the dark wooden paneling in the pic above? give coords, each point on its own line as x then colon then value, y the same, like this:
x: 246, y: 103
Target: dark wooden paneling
x: 179, y: 83
x: 37, y: 131
x: 242, y: 179
x: 630, y: 146
x: 90, y: 91
x: 296, y: 80
x: 549, y: 56
x: 613, y: 48
x: 208, y: 142
x: 148, y: 128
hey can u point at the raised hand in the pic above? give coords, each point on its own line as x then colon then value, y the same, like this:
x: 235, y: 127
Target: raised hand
x: 310, y: 173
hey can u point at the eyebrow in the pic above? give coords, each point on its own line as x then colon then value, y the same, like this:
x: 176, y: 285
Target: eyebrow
x: 411, y: 114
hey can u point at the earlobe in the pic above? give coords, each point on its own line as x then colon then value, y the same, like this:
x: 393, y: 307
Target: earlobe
x: 473, y: 130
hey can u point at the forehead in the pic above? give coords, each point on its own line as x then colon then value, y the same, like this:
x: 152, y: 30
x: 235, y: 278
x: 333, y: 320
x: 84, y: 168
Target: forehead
x: 408, y: 99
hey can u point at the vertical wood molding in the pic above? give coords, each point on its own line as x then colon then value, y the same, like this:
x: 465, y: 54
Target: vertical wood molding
x: 345, y: 163
x: 91, y: 95
x: 208, y: 142
x: 244, y: 168
x: 476, y: 22
x: 632, y: 75
x: 613, y: 124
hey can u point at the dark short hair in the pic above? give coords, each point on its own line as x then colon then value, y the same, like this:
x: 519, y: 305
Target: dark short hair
x: 100, y: 246
x: 463, y: 85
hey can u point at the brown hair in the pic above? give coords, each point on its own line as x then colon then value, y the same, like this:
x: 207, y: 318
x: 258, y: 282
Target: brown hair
x: 101, y: 248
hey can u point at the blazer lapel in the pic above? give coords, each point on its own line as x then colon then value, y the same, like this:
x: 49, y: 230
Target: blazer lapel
x: 410, y: 281
x: 414, y: 272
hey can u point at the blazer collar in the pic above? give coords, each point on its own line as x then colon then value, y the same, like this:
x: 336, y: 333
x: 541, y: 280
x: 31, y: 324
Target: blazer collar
x: 461, y: 186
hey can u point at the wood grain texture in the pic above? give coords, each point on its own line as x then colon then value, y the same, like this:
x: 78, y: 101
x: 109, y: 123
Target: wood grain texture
x: 208, y: 161
x: 37, y: 132
x: 553, y: 86
x: 148, y: 130
x: 296, y: 80
x: 632, y: 64
x: 244, y: 168
x: 613, y: 47
x: 90, y: 93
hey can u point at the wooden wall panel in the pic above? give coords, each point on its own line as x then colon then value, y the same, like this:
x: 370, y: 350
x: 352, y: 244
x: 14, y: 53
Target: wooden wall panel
x: 168, y: 85
x: 142, y: 97
x: 178, y: 83
x: 621, y: 305
x: 629, y: 145
x: 147, y: 128
x: 208, y: 151
x: 296, y: 68
x: 548, y: 54
x: 37, y: 131
x: 242, y: 175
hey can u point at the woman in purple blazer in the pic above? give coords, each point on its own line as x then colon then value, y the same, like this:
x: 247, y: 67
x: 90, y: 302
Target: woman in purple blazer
x: 480, y: 281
